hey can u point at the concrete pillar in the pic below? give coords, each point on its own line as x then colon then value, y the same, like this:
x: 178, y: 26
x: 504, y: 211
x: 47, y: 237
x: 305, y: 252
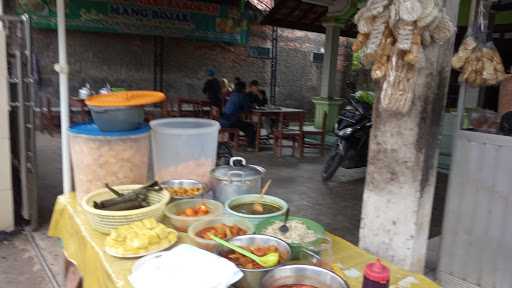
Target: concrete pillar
x: 327, y: 101
x: 328, y: 82
x: 397, y: 201
x: 6, y: 193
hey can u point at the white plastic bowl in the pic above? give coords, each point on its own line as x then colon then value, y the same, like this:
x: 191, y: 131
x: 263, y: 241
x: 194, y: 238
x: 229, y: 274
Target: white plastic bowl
x: 182, y: 223
x: 211, y: 245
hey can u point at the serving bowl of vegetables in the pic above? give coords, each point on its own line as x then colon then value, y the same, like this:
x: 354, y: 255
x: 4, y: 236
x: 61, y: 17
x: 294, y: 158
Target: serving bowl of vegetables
x: 224, y: 228
x: 184, y: 189
x: 183, y: 213
x: 259, y: 245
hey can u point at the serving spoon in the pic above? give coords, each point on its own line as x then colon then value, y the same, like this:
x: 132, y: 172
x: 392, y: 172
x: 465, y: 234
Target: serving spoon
x: 257, y: 205
x: 284, y: 228
x: 267, y: 261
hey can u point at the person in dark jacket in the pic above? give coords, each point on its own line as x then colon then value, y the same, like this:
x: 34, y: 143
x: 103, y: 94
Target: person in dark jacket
x: 238, y: 104
x: 212, y: 89
x: 257, y: 96
x: 237, y: 79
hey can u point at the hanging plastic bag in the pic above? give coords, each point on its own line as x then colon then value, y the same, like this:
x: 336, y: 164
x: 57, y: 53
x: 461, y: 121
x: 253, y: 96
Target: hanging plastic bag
x: 478, y: 60
x: 397, y: 89
x: 480, y: 64
x: 466, y: 48
x: 493, y: 71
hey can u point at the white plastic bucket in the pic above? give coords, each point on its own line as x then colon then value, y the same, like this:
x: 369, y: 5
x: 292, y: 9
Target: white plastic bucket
x: 184, y: 148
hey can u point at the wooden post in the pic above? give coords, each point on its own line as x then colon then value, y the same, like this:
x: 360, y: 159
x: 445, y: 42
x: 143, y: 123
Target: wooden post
x: 402, y: 165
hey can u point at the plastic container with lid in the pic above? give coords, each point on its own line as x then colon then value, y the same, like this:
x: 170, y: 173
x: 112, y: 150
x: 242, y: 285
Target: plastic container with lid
x: 184, y: 148
x: 376, y: 275
x: 116, y: 158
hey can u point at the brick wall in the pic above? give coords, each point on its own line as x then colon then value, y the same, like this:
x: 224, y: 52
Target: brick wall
x: 127, y: 61
x: 505, y: 98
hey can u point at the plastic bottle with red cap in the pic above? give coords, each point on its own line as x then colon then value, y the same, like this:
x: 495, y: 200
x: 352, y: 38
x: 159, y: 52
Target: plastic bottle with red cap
x: 376, y: 275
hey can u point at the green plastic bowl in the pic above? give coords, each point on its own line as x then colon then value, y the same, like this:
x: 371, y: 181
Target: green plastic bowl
x: 296, y: 248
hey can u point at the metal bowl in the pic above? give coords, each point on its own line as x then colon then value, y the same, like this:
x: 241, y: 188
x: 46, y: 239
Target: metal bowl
x: 252, y: 277
x: 184, y: 184
x: 302, y: 274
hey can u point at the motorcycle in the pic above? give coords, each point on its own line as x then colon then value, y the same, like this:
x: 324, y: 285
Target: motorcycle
x: 353, y: 133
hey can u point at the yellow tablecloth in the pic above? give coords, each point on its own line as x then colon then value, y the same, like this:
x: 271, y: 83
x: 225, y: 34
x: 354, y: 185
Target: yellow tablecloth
x: 84, y: 247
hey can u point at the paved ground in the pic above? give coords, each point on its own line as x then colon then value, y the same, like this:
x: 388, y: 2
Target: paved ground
x: 336, y: 205
x: 19, y: 266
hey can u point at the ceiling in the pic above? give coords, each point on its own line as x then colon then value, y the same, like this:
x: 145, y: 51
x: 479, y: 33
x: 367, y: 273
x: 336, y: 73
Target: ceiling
x: 308, y: 15
x: 295, y: 14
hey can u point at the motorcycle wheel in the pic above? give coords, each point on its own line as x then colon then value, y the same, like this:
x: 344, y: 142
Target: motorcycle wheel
x: 333, y: 163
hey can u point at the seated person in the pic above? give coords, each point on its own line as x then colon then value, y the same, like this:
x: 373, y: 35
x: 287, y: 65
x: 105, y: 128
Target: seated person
x: 257, y: 96
x: 237, y: 104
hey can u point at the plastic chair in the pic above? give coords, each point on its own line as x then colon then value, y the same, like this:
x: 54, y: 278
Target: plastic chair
x: 312, y: 131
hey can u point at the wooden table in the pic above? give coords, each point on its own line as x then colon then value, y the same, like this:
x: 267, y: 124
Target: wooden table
x: 258, y: 114
x: 193, y: 108
x: 80, y: 104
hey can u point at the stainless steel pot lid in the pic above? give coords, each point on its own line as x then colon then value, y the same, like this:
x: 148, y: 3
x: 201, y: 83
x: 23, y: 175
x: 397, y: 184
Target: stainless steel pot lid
x: 237, y: 173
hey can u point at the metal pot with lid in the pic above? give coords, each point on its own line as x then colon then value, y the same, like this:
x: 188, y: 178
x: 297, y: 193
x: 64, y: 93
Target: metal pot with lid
x: 233, y: 180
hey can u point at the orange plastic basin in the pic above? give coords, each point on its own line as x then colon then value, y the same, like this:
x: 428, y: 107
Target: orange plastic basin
x: 126, y: 98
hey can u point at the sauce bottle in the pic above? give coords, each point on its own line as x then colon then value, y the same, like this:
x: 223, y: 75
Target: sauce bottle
x: 376, y: 275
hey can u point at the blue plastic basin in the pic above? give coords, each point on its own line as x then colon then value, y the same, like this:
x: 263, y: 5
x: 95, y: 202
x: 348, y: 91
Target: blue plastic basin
x: 117, y: 118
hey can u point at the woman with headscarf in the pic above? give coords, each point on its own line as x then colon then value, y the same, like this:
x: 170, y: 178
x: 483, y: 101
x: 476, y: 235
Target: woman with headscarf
x: 225, y: 90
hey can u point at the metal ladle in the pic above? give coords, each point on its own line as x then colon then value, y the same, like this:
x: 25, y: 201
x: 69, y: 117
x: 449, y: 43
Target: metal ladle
x: 257, y: 207
x: 284, y: 228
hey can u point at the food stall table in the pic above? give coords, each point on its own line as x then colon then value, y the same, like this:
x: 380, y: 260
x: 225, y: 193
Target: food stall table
x: 84, y: 247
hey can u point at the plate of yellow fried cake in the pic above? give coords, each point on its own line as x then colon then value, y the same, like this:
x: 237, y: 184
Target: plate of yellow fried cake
x: 140, y: 239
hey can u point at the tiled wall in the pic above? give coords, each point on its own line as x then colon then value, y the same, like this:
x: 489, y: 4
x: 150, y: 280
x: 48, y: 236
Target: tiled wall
x: 6, y: 201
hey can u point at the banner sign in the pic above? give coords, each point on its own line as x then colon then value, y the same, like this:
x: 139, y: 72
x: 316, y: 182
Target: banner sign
x: 192, y: 19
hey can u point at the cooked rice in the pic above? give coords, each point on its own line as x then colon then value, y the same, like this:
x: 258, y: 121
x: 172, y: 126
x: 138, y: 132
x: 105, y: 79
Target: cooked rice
x: 298, y: 232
